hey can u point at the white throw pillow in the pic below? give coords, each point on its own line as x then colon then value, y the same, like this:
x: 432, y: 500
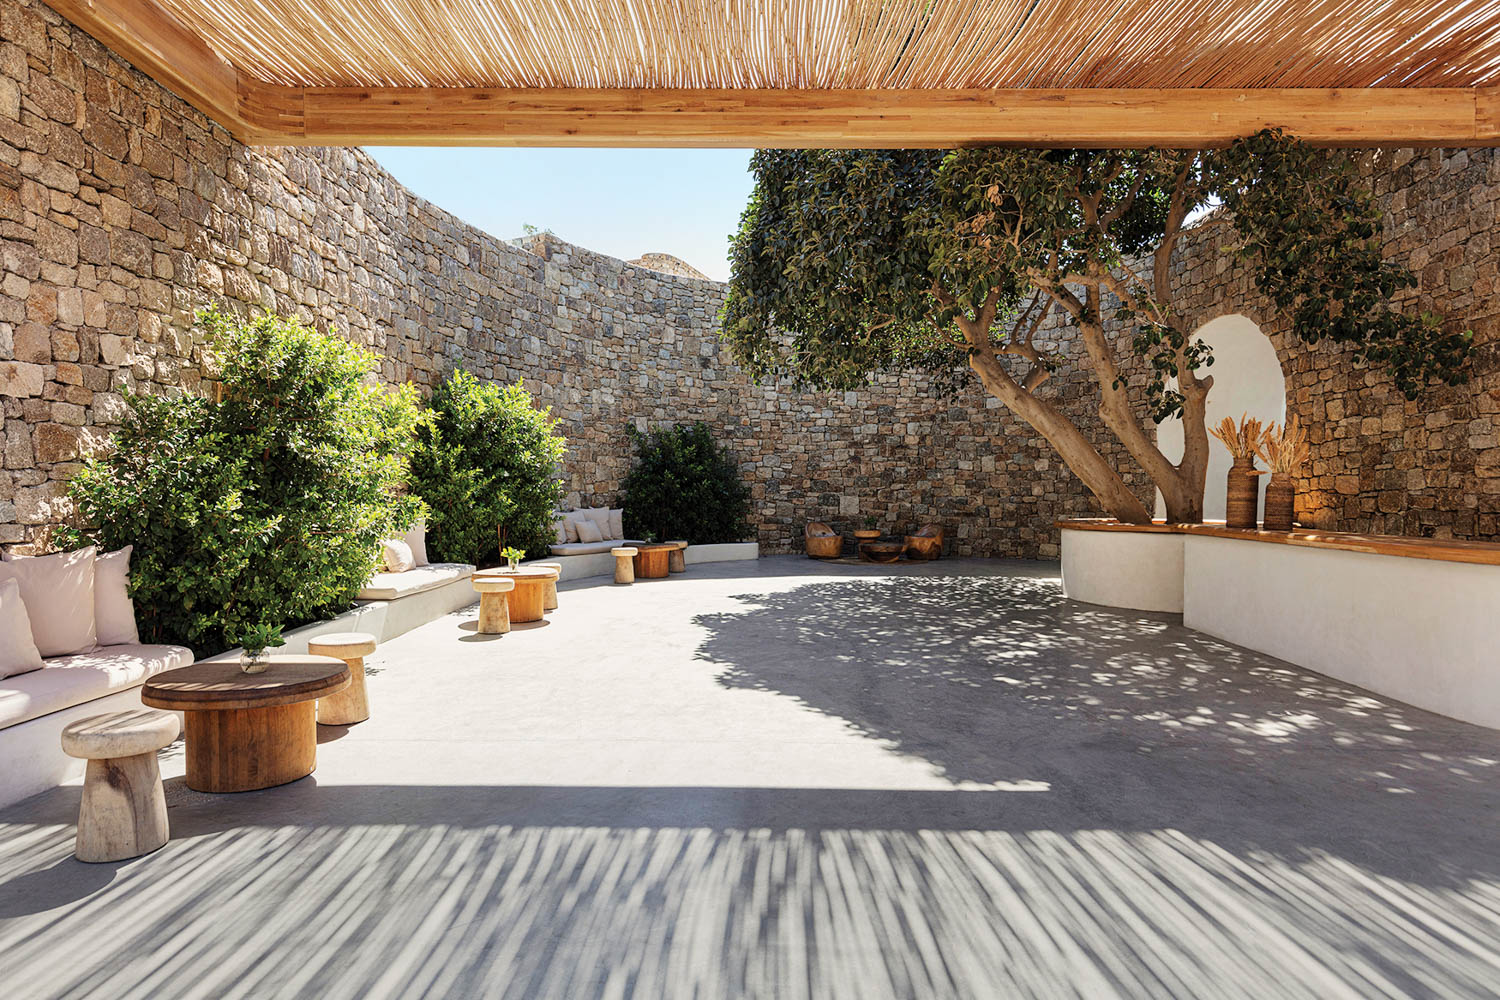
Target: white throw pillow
x: 570, y: 523
x: 617, y: 523
x: 560, y: 530
x: 114, y: 611
x: 600, y: 516
x: 416, y: 540
x: 18, y: 652
x: 397, y: 554
x: 588, y: 531
x: 58, y: 592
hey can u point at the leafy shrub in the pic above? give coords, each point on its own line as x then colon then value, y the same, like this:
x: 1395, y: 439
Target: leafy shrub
x: 486, y: 460
x: 683, y: 485
x: 264, y: 507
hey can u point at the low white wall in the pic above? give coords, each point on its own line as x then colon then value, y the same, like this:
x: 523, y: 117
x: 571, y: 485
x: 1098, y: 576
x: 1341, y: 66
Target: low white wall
x: 31, y: 754
x: 1419, y: 630
x: 721, y: 552
x: 1141, y: 570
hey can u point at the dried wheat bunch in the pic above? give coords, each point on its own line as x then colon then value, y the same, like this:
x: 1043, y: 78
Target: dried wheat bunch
x: 1284, y: 450
x: 1243, y: 439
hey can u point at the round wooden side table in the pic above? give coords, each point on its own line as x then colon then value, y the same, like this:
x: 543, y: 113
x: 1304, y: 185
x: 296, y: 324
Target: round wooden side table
x: 350, y: 705
x: 528, y: 598
x: 247, y: 731
x: 624, y: 563
x: 652, y: 560
x: 494, y: 609
x: 124, y: 809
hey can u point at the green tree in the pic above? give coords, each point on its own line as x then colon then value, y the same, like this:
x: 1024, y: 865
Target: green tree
x: 850, y: 262
x: 486, y: 466
x: 262, y: 507
x: 683, y: 485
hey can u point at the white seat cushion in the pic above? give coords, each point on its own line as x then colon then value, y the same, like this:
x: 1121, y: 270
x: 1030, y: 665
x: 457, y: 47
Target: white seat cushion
x: 390, y: 586
x: 65, y: 681
x: 589, y: 548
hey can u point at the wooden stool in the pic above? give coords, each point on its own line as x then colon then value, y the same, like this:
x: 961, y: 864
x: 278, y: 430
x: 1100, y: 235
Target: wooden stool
x: 124, y: 812
x: 624, y: 564
x: 549, y: 596
x: 676, y: 559
x: 494, y: 613
x: 350, y: 705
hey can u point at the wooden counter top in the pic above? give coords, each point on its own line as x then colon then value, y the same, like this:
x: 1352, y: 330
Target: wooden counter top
x: 1445, y: 549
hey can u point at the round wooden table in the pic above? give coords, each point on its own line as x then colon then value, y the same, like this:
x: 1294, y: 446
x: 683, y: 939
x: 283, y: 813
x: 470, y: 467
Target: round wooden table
x: 528, y: 599
x: 653, y: 561
x: 247, y: 731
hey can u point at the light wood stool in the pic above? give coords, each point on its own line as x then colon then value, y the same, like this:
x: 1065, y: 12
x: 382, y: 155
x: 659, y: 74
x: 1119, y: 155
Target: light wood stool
x: 494, y: 612
x: 350, y: 705
x: 549, y: 596
x: 124, y: 811
x: 677, y: 558
x: 624, y: 564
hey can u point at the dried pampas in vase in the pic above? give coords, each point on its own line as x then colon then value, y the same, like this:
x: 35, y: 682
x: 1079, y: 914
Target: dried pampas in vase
x: 1284, y: 451
x: 1241, y: 490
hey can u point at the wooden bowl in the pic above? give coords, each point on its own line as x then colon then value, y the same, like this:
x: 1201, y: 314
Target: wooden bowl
x: 881, y: 552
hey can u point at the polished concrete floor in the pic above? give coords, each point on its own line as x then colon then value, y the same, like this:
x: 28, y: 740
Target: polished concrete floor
x: 790, y: 779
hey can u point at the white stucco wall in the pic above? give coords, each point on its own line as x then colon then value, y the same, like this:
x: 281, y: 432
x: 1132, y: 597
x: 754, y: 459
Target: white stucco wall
x: 1123, y: 569
x: 1247, y: 379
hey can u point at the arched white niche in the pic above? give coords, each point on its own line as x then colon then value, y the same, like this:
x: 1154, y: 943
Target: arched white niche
x: 1247, y: 379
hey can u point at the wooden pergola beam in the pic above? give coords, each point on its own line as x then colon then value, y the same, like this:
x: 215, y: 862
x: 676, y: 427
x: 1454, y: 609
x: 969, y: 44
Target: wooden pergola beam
x: 268, y: 114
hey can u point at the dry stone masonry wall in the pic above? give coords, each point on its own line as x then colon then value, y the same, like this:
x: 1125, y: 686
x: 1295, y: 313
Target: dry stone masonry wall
x: 123, y: 210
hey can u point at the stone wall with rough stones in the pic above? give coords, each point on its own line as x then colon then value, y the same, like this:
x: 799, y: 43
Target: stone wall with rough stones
x: 123, y: 209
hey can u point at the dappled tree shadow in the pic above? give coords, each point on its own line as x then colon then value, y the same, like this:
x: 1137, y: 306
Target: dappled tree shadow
x: 1132, y: 719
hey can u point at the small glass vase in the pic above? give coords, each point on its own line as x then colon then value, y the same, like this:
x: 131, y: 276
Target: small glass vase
x: 256, y: 662
x: 514, y: 563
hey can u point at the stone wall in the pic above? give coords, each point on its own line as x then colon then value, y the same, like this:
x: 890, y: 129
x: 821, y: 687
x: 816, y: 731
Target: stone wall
x: 1380, y: 462
x: 122, y: 210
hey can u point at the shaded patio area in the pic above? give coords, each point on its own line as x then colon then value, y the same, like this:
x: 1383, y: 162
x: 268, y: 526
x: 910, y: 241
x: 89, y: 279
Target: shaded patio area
x: 791, y: 779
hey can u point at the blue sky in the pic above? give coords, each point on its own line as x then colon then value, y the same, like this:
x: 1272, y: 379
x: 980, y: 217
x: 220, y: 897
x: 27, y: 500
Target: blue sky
x: 623, y: 202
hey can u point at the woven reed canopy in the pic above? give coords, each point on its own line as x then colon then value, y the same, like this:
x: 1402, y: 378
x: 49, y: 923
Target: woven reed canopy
x: 819, y: 72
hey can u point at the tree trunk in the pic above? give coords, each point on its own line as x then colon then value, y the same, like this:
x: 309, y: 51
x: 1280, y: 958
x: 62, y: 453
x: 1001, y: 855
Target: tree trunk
x: 1076, y: 450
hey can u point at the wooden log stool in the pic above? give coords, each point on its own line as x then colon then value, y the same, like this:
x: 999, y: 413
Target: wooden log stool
x: 677, y: 558
x: 494, y: 612
x: 549, y: 589
x: 351, y: 705
x: 624, y: 564
x: 124, y: 811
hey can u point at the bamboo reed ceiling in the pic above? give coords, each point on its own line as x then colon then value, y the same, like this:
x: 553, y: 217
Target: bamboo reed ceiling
x: 854, y: 44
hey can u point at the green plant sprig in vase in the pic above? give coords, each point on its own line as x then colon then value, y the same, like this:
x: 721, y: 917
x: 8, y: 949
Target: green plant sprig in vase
x: 255, y: 640
x: 513, y: 555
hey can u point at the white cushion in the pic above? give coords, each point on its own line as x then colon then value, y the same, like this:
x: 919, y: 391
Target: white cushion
x: 616, y: 523
x: 58, y: 591
x: 588, y: 531
x: 560, y: 530
x: 416, y: 540
x: 114, y: 611
x: 570, y: 523
x: 590, y: 548
x: 18, y: 652
x: 66, y: 681
x: 390, y: 586
x: 398, y: 555
x: 600, y: 517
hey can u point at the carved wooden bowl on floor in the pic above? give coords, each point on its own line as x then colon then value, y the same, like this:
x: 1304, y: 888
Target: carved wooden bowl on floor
x: 881, y: 552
